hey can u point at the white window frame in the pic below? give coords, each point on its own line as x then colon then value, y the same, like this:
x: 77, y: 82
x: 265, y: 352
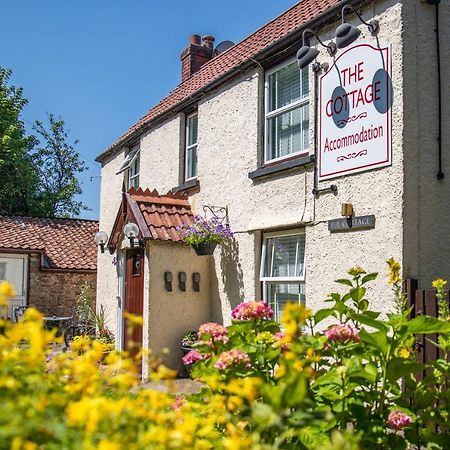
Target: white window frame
x: 281, y: 280
x: 277, y: 112
x: 189, y: 147
x: 135, y: 165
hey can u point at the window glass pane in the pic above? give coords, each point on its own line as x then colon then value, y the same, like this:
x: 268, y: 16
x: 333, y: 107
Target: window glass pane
x: 288, y: 133
x: 287, y: 85
x: 280, y: 294
x: 192, y: 127
x: 285, y: 256
x: 191, y: 167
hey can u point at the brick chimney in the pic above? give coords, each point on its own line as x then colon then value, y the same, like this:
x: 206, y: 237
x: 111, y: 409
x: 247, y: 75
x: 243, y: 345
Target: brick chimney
x: 195, y: 55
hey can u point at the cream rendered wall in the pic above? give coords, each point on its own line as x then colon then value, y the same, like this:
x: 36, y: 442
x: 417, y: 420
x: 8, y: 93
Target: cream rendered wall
x: 427, y: 213
x: 227, y: 152
x: 110, y: 198
x: 228, y: 128
x: 160, y: 148
x: 173, y: 314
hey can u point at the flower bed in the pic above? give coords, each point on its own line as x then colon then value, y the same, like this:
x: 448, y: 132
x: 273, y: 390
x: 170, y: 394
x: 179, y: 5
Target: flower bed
x: 350, y: 386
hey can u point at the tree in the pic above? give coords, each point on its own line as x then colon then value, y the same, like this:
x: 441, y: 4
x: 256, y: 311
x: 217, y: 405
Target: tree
x: 58, y: 164
x: 36, y: 178
x: 18, y: 175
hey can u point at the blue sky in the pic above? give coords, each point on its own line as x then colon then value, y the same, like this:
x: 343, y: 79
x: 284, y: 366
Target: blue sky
x: 102, y: 64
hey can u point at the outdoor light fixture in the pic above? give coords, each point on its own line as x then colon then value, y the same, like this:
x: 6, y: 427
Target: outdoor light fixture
x: 131, y: 231
x: 306, y: 55
x: 346, y: 210
x: 101, y: 238
x: 347, y: 34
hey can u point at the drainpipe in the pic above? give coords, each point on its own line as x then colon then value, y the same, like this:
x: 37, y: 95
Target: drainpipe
x: 440, y: 174
x: 332, y: 188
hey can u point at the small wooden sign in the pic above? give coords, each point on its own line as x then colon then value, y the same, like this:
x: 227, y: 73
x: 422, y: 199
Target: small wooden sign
x: 351, y: 223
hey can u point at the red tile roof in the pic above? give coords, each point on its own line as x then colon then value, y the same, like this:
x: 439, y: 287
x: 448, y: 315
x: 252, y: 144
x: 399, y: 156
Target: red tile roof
x: 275, y: 30
x: 66, y: 243
x: 157, y: 216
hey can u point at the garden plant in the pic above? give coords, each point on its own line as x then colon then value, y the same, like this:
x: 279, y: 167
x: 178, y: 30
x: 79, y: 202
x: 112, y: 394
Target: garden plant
x: 340, y: 378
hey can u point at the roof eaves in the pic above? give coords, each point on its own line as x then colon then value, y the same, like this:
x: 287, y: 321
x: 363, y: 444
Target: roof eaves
x: 247, y: 63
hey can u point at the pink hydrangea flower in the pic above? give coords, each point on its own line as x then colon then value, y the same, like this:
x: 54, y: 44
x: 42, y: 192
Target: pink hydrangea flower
x: 281, y: 341
x: 193, y: 356
x: 217, y: 332
x: 342, y: 333
x: 252, y: 310
x: 178, y: 403
x: 232, y: 358
x: 398, y: 420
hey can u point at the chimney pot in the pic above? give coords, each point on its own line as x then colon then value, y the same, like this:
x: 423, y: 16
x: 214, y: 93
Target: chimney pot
x: 195, y: 39
x: 208, y: 41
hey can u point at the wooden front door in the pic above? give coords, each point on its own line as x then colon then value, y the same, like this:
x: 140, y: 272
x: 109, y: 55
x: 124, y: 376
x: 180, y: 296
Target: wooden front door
x: 134, y: 299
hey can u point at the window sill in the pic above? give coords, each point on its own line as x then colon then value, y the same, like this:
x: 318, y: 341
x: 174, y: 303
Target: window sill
x: 191, y: 184
x: 281, y: 167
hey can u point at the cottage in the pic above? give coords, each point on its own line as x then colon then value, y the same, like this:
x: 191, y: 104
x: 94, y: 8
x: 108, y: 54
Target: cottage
x: 320, y: 161
x: 47, y: 261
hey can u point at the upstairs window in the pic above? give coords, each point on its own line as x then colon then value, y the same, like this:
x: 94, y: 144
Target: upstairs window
x: 283, y: 269
x: 131, y: 167
x: 287, y: 112
x: 190, y: 156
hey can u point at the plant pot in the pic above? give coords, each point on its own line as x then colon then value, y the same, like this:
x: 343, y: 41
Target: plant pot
x: 205, y: 248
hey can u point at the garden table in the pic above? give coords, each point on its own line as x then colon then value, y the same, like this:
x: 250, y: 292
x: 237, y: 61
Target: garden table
x: 58, y: 322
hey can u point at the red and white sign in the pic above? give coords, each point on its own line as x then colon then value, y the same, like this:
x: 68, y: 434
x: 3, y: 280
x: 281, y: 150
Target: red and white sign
x: 355, y: 101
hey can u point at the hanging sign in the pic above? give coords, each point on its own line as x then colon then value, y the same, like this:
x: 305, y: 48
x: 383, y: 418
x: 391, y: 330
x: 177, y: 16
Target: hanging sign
x: 355, y: 100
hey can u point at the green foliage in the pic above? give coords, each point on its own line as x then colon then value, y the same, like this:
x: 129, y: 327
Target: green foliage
x: 58, y: 164
x: 37, y: 178
x: 359, y: 374
x: 18, y: 175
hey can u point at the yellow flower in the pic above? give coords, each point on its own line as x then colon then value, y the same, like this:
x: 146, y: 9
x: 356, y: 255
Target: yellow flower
x: 6, y: 292
x: 404, y: 353
x: 133, y: 319
x: 356, y: 271
x: 393, y: 271
x: 106, y: 444
x: 439, y: 284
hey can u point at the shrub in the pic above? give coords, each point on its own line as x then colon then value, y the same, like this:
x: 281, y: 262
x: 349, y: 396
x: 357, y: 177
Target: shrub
x: 350, y: 386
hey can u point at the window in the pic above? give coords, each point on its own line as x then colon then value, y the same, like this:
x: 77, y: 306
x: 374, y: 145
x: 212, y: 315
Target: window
x: 287, y: 112
x: 131, y: 167
x: 283, y: 269
x: 191, y: 147
x: 133, y: 172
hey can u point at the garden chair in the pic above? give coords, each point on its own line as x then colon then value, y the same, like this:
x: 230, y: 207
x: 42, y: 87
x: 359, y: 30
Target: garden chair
x: 19, y: 312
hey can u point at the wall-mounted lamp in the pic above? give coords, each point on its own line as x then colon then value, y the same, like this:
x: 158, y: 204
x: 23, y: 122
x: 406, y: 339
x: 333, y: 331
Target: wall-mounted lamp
x: 306, y: 55
x: 131, y: 231
x: 182, y: 281
x: 168, y: 278
x: 101, y: 238
x: 196, y: 281
x: 347, y: 34
x: 346, y: 209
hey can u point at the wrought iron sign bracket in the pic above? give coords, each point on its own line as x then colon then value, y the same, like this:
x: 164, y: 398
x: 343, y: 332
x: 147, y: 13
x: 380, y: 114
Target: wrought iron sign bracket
x: 219, y: 213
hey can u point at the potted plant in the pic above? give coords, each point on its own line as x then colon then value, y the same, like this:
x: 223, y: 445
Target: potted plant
x: 203, y: 235
x: 188, y: 341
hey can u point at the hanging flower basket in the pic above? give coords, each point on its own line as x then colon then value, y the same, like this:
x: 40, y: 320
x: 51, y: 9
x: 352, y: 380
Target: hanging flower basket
x: 205, y: 248
x: 204, y: 235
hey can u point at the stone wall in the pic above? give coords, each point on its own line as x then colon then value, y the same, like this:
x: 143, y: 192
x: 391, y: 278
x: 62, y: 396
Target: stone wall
x: 54, y: 292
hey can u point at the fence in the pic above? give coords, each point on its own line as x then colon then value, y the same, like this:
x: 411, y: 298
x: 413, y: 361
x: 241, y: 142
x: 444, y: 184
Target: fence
x: 423, y: 301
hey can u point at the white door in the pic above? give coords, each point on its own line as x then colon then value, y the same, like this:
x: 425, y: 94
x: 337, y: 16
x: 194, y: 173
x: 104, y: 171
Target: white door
x: 14, y: 269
